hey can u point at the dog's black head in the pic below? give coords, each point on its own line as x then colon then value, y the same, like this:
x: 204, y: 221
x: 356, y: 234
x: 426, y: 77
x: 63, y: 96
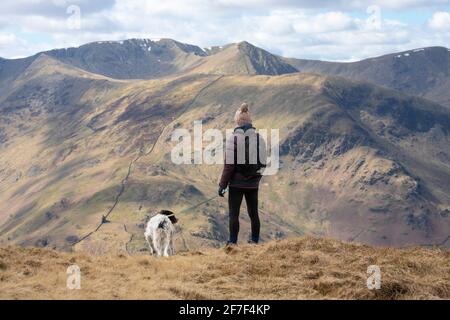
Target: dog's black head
x: 170, y: 214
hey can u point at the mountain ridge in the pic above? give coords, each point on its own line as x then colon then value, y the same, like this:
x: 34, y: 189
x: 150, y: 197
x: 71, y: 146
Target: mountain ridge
x: 309, y: 154
x: 423, y: 71
x: 365, y: 163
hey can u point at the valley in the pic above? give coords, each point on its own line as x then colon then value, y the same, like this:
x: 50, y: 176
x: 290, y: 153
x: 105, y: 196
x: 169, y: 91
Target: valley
x: 86, y: 139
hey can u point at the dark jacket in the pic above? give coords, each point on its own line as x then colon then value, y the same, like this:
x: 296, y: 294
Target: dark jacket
x: 229, y: 176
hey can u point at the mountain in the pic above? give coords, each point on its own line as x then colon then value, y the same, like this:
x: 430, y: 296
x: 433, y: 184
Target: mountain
x: 131, y: 59
x: 85, y: 158
x: 10, y: 70
x: 329, y: 270
x: 128, y: 59
x: 243, y: 58
x: 148, y: 59
x: 423, y: 72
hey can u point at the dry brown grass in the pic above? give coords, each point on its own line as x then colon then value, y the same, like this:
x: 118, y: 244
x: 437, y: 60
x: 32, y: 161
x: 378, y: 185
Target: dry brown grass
x: 301, y: 268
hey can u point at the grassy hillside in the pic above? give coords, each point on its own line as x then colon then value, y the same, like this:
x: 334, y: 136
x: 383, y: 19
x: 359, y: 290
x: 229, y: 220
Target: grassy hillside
x: 359, y: 162
x: 423, y: 72
x: 300, y: 268
x: 133, y: 58
x: 245, y: 59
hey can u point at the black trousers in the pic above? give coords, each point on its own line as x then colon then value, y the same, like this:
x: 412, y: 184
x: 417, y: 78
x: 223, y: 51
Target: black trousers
x: 234, y: 204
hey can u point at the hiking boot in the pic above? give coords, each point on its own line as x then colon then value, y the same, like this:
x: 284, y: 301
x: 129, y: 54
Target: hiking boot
x: 250, y: 241
x: 230, y: 244
x: 229, y: 247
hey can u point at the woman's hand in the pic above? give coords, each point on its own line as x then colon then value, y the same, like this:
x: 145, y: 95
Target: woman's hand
x: 222, y: 191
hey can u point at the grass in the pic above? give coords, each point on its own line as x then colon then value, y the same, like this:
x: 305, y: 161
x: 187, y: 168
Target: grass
x: 297, y: 268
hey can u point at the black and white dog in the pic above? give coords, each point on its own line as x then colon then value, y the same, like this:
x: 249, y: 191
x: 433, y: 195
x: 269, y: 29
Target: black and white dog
x: 159, y: 233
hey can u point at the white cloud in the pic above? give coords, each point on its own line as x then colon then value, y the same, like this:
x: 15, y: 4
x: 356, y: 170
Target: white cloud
x: 303, y: 4
x: 51, y: 8
x: 7, y: 39
x: 12, y: 46
x: 325, y: 22
x: 440, y: 21
x: 302, y: 28
x: 406, y: 4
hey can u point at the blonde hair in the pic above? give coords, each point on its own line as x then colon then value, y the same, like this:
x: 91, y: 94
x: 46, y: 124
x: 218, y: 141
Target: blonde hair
x: 242, y: 115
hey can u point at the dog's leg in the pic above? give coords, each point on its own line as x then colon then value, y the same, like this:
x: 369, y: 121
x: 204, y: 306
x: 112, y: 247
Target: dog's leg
x: 150, y: 245
x: 167, y: 249
x: 157, y: 244
x: 172, y: 248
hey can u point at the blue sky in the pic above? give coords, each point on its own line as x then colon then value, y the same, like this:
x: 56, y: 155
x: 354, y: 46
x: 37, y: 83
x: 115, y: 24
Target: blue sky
x: 329, y: 30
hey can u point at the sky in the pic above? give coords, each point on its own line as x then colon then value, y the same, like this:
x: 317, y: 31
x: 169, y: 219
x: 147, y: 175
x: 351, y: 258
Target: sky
x: 339, y: 30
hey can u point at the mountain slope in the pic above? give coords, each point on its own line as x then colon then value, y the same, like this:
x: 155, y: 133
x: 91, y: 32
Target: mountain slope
x: 149, y: 59
x: 132, y: 59
x: 364, y: 163
x: 422, y: 72
x: 243, y: 58
x: 329, y: 270
x: 348, y: 181
x: 10, y: 70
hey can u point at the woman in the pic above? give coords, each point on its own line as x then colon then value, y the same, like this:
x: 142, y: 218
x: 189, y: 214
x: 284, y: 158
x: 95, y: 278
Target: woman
x: 242, y: 178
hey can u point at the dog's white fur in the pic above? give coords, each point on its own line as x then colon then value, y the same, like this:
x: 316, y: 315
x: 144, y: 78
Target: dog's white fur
x: 159, y: 235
